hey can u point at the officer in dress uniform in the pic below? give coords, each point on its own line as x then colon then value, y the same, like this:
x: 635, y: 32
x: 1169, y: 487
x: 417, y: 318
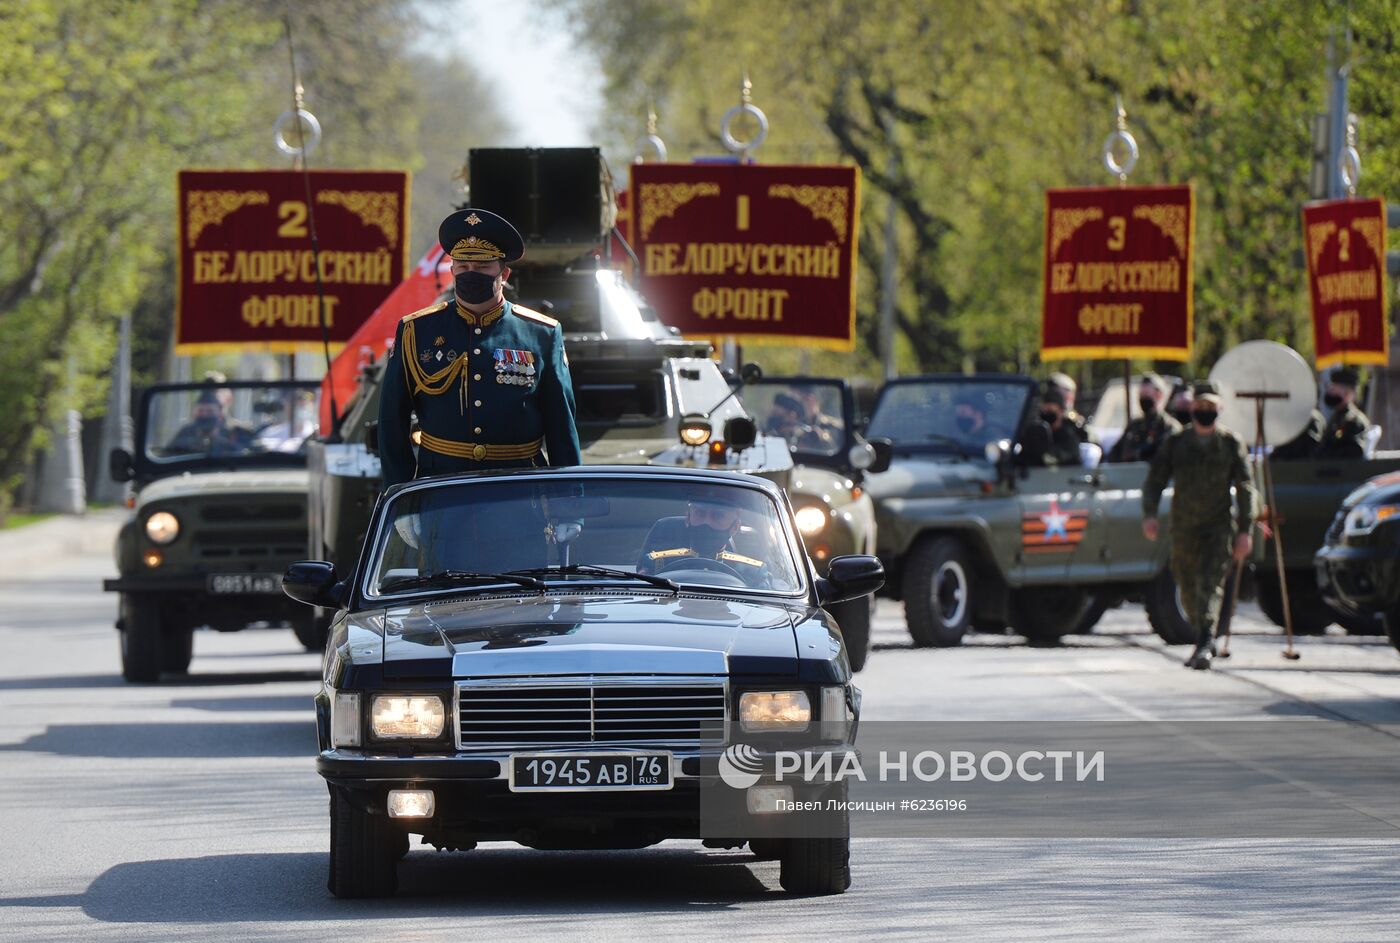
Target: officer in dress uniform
x: 1146, y: 433
x: 1204, y: 461
x: 488, y: 379
x: 706, y: 532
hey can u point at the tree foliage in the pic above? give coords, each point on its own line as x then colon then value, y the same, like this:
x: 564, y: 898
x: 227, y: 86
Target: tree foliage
x: 962, y: 112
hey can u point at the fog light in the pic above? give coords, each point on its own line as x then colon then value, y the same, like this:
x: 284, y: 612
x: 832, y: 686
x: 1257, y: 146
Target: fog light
x: 410, y: 803
x: 153, y: 558
x: 764, y: 800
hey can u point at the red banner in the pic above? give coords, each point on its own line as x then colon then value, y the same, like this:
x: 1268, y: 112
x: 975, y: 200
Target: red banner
x: 247, y: 275
x: 1117, y: 282
x: 749, y: 250
x: 1344, y: 241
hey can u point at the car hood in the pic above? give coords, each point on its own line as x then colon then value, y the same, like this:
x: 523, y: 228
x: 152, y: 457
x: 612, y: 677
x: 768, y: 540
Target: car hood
x: 596, y: 633
x: 252, y: 481
x: 929, y: 477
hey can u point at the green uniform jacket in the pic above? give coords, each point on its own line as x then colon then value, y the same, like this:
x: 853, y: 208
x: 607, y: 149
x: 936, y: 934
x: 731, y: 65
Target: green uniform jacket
x: 1143, y: 437
x: 1345, y: 434
x: 488, y: 390
x: 1203, y: 469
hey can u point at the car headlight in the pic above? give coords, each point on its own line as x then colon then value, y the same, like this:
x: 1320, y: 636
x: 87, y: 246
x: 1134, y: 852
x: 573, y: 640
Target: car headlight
x: 774, y: 710
x: 695, y: 430
x: 1364, y: 518
x: 393, y: 718
x: 810, y: 519
x: 162, y: 527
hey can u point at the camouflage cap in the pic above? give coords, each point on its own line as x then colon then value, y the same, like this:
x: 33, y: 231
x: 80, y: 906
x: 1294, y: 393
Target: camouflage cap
x: 1207, y: 391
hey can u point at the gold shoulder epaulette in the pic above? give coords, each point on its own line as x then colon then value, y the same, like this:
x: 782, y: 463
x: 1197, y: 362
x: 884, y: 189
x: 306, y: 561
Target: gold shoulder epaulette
x: 430, y: 309
x: 530, y: 314
x: 673, y: 552
x: 739, y: 558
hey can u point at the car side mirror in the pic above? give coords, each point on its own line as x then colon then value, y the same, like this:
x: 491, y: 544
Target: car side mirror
x: 120, y: 465
x: 884, y: 454
x: 850, y: 577
x: 750, y: 372
x: 314, y: 582
x: 372, y: 436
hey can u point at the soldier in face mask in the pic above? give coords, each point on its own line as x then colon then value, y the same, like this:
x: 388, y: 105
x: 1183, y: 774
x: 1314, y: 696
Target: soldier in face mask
x: 488, y: 379
x: 1344, y: 435
x: 1205, y: 461
x: 1146, y: 433
x: 705, y: 533
x: 1063, y: 441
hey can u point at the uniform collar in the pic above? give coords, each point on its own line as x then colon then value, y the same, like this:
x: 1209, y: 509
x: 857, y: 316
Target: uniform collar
x: 483, y: 320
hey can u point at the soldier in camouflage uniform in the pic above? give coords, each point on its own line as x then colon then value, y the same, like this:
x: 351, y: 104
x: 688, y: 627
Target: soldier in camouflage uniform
x: 1204, y: 461
x: 1146, y: 433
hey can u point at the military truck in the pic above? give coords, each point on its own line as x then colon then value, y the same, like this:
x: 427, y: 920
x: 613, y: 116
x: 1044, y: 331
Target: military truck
x: 974, y: 535
x: 220, y: 511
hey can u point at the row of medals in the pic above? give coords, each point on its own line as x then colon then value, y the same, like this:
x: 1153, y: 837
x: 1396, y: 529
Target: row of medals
x: 515, y: 374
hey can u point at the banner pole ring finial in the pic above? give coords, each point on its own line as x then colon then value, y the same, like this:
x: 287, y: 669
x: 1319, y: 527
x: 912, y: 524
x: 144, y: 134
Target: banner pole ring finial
x: 745, y: 107
x: 650, y: 142
x: 1349, y: 160
x: 1120, y: 149
x: 312, y: 136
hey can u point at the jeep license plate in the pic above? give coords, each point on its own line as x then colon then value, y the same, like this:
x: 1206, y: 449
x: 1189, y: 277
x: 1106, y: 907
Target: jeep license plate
x: 590, y: 772
x: 242, y: 583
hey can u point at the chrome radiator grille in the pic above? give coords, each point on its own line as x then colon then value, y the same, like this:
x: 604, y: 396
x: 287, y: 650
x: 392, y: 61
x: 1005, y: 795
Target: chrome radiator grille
x: 676, y: 711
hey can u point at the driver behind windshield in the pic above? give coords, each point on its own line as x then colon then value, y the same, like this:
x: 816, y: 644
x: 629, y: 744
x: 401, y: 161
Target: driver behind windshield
x: 706, y: 533
x: 210, y: 430
x: 788, y: 418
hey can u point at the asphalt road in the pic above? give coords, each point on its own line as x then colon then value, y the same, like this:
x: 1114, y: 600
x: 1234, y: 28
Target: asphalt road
x: 192, y: 810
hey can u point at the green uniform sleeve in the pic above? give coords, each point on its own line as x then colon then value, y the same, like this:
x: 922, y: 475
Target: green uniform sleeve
x: 1246, y: 498
x: 395, y: 409
x: 1158, y: 474
x: 556, y: 396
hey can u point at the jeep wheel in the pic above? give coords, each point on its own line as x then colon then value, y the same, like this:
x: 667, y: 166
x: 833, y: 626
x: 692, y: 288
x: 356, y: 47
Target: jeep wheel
x: 813, y: 867
x: 141, y: 639
x: 177, y: 648
x: 853, y: 616
x: 1391, y: 621
x: 365, y: 850
x: 1094, y: 611
x: 312, y: 629
x: 938, y: 593
x: 1045, y: 614
x: 1164, y: 612
x: 1311, y: 616
x: 1360, y: 624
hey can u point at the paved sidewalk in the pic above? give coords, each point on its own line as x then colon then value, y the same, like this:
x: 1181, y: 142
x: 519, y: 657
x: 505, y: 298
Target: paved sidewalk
x: 33, y: 547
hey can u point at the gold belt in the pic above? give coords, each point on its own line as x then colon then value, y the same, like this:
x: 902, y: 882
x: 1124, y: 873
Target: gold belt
x: 478, y: 451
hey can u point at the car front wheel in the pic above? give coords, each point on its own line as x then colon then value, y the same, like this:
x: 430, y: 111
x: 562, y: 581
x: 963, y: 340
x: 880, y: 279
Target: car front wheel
x: 812, y: 867
x: 365, y: 850
x: 938, y: 593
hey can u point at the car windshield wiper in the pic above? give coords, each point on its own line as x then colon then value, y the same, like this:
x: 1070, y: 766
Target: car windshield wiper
x: 942, y: 439
x: 449, y: 577
x: 590, y: 570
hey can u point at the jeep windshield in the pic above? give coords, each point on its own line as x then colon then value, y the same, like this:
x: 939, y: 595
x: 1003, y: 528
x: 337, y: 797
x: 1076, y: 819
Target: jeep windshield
x: 228, y: 423
x: 635, y: 531
x: 953, y: 415
x: 810, y: 415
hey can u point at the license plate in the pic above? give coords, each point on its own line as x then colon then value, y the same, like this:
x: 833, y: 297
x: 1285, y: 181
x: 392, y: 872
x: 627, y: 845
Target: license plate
x: 590, y: 772
x: 242, y: 583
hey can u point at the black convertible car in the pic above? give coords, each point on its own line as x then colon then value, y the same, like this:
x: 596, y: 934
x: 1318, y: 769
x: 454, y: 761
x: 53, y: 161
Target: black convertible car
x: 560, y: 657
x: 1358, y: 568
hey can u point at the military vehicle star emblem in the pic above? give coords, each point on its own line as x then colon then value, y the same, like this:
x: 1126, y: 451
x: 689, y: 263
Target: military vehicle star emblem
x: 1055, y: 521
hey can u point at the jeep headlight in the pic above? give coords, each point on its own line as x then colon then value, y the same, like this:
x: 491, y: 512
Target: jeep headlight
x: 394, y: 718
x: 162, y: 527
x: 774, y: 710
x: 1364, y: 518
x: 810, y: 519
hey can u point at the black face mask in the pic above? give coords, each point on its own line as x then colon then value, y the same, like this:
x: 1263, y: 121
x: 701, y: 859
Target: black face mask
x: 705, y: 540
x: 1205, y: 417
x: 1148, y: 404
x: 1049, y: 417
x: 475, y: 287
x: 1332, y: 400
x: 966, y: 423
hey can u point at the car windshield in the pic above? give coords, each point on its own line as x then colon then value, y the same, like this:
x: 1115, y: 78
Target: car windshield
x: 664, y: 533
x: 811, y: 416
x: 229, y: 422
x: 949, y: 415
